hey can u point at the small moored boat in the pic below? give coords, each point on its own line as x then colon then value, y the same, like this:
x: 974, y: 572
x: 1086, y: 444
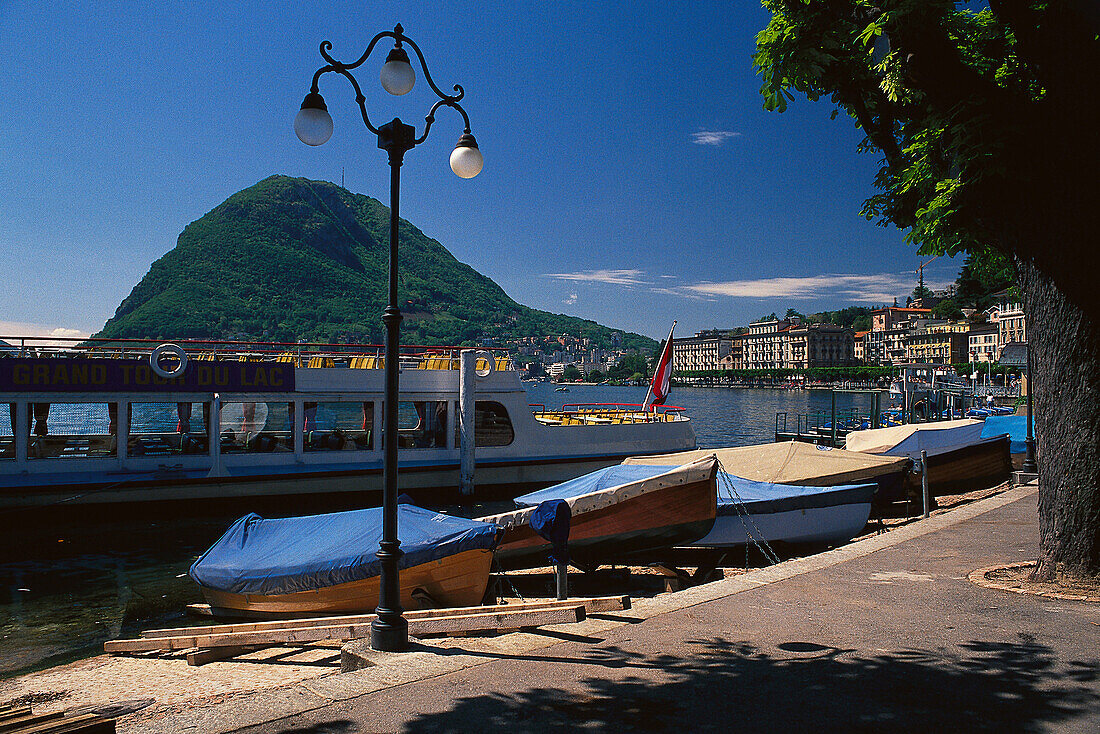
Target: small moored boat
x: 958, y: 458
x: 797, y: 463
x: 616, y: 512
x: 321, y: 564
x: 750, y: 511
x: 1013, y: 426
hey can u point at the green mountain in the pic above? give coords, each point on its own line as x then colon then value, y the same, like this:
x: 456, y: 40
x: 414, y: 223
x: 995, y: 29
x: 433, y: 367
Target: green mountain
x: 291, y: 259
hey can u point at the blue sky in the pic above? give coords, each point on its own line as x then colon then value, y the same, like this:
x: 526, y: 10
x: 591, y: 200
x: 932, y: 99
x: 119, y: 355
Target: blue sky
x: 630, y: 176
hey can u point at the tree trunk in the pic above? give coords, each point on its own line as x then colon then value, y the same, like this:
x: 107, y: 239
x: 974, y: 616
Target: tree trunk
x: 1064, y: 335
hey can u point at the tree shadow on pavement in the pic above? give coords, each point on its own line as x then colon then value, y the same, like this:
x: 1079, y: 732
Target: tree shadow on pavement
x: 800, y: 686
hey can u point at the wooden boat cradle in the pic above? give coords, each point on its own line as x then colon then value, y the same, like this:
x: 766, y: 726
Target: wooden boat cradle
x: 232, y: 639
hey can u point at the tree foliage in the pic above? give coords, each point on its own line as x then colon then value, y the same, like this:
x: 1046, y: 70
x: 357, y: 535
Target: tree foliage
x: 948, y: 308
x: 632, y: 366
x: 986, y: 123
x: 954, y: 99
x: 571, y: 373
x: 982, y: 276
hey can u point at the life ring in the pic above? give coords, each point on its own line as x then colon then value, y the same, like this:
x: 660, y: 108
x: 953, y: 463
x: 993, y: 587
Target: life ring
x: 180, y: 355
x: 489, y: 360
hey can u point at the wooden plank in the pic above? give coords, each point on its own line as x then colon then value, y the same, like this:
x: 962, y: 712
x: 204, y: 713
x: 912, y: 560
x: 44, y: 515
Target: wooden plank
x: 213, y: 654
x: 61, y: 723
x: 496, y: 621
x: 14, y: 712
x: 26, y: 719
x: 95, y: 725
x: 591, y: 605
x: 417, y: 627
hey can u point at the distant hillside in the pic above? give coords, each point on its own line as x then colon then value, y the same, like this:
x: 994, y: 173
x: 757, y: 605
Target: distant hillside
x: 291, y: 259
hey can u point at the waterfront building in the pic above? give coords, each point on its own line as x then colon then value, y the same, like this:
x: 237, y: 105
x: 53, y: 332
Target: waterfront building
x: 885, y: 318
x: 764, y: 345
x: 1011, y: 322
x: 939, y: 343
x: 890, y: 329
x: 704, y: 351
x: 557, y: 369
x: 983, y: 342
x: 736, y: 358
x: 859, y: 346
x: 818, y: 345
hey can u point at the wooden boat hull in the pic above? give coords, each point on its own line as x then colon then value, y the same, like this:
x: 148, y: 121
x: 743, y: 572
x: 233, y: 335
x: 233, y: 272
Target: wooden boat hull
x: 663, y: 518
x: 966, y: 469
x: 454, y: 581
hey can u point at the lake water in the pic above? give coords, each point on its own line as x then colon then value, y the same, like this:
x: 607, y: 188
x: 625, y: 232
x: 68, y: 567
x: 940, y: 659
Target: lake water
x: 69, y: 584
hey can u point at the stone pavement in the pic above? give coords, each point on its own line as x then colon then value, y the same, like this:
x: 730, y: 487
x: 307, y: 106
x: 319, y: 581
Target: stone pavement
x: 883, y: 634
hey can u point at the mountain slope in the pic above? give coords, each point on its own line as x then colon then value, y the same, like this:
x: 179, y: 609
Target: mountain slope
x: 289, y: 259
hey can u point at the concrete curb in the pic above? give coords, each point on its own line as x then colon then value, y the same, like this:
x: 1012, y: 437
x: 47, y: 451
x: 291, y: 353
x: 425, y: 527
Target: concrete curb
x: 428, y: 660
x: 980, y: 578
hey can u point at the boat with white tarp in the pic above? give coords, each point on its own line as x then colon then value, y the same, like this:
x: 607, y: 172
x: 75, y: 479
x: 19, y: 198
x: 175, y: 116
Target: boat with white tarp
x: 958, y: 459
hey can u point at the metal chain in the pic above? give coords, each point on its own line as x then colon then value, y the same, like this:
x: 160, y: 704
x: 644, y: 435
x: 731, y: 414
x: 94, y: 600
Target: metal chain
x: 753, y: 533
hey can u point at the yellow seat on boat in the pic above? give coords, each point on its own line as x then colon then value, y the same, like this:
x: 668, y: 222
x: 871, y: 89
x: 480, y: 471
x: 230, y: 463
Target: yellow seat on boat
x: 289, y: 357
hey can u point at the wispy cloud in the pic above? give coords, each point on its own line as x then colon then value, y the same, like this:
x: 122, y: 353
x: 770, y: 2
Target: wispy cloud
x: 862, y: 288
x: 713, y: 137
x: 612, y: 277
x: 22, y: 328
x: 878, y: 287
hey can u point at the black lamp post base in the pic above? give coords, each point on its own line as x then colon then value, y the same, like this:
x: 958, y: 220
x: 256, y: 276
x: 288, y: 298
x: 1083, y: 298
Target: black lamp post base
x: 389, y: 636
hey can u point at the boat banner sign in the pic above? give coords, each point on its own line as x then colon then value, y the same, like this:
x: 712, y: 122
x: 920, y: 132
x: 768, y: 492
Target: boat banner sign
x: 124, y: 375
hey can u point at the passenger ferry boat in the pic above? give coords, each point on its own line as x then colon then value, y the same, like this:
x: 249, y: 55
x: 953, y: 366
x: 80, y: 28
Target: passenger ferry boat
x: 103, y: 421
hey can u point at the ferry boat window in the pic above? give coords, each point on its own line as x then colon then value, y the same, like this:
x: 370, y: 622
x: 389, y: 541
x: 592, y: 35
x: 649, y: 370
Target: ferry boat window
x: 73, y: 430
x: 7, y: 431
x: 492, y: 426
x: 338, y: 426
x: 165, y: 429
x: 256, y: 428
x: 422, y: 424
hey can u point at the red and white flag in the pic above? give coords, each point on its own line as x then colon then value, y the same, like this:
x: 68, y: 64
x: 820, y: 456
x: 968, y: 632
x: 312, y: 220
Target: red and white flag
x: 662, y: 375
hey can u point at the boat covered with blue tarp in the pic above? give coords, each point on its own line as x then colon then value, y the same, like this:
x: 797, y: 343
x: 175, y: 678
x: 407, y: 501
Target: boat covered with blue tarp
x: 1014, y: 426
x: 601, y: 479
x: 321, y: 561
x: 752, y: 510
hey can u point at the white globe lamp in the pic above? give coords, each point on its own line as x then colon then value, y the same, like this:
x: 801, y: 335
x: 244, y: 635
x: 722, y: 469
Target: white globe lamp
x: 313, y: 123
x: 397, y: 75
x: 466, y: 158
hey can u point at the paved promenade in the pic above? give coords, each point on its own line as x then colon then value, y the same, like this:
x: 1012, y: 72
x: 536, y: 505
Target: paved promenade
x: 886, y: 634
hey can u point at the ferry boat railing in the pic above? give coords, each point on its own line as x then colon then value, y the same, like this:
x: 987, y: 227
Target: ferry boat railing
x: 302, y: 354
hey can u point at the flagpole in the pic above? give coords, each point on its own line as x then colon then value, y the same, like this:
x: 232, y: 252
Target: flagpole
x: 660, y: 361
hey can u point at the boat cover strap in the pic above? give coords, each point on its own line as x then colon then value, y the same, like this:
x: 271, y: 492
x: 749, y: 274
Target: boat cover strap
x: 551, y: 521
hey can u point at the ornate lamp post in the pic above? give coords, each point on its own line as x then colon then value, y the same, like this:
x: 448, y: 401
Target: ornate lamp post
x: 313, y: 125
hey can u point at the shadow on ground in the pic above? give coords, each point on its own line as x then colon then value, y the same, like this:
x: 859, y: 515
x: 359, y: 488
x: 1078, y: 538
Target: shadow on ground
x: 800, y: 686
